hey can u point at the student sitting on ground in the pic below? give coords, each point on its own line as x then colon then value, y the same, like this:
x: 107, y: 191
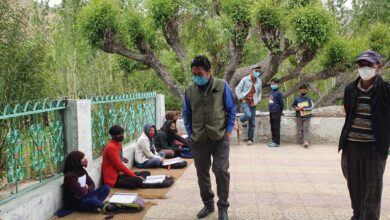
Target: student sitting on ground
x: 113, y: 165
x: 168, y: 141
x: 146, y: 155
x: 79, y: 188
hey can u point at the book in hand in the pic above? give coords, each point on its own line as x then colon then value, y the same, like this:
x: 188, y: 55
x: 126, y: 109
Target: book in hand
x: 168, y: 162
x: 82, y: 180
x: 123, y: 198
x: 155, y: 179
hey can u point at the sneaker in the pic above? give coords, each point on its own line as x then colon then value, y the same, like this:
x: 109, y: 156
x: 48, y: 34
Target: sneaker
x: 249, y: 143
x: 273, y: 144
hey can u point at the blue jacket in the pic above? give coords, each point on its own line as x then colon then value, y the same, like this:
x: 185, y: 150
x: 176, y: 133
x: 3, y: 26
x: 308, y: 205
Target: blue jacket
x: 275, y: 101
x: 305, y: 101
x: 244, y: 87
x: 229, y: 105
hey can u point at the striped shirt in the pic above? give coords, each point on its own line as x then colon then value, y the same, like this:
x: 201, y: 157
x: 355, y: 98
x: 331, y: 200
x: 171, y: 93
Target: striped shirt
x: 361, y: 128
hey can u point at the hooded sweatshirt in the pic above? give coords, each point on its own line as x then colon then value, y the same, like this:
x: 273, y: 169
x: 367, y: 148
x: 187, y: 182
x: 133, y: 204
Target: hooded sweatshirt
x: 145, y: 149
x: 165, y: 138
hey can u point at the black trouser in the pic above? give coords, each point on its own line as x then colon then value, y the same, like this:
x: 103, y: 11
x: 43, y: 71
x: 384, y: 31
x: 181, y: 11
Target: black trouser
x: 363, y: 167
x: 203, y: 152
x: 275, y: 126
x: 131, y: 182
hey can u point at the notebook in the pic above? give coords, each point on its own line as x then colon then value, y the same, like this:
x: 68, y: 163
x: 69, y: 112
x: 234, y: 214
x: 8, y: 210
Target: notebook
x: 123, y: 198
x: 155, y: 179
x: 168, y: 162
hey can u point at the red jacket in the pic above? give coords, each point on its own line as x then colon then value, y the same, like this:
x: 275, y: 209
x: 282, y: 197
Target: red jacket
x: 112, y: 163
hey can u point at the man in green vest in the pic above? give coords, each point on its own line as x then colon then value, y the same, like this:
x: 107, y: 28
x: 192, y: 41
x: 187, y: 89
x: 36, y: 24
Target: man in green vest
x: 209, y: 113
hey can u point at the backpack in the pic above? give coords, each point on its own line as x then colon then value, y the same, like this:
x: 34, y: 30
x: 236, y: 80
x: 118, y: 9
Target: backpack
x: 136, y: 206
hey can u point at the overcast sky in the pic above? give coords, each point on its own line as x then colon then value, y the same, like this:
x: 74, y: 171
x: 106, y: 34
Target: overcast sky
x: 57, y: 2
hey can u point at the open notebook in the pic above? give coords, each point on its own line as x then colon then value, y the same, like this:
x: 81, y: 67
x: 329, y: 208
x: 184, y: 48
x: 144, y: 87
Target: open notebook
x: 123, y: 198
x: 155, y: 179
x: 168, y: 162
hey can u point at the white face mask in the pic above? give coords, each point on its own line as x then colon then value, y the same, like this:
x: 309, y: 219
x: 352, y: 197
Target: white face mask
x: 366, y: 72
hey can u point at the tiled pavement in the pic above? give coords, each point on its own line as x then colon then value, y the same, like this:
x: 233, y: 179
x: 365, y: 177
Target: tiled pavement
x: 289, y: 182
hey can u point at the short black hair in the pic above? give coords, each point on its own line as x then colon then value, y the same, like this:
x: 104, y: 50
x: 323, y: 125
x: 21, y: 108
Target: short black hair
x: 115, y: 130
x: 275, y: 80
x: 201, y: 61
x: 303, y: 86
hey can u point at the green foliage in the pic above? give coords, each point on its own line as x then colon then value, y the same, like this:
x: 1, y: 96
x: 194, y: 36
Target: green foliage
x: 379, y: 39
x: 238, y: 20
x: 300, y: 3
x: 97, y: 19
x: 312, y: 27
x: 268, y: 16
x: 163, y: 11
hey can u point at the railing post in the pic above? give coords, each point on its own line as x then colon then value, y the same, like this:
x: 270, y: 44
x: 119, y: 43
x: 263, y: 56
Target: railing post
x: 160, y: 110
x: 78, y: 127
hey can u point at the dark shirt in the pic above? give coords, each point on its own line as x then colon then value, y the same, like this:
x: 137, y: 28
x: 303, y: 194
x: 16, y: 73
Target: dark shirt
x: 275, y: 101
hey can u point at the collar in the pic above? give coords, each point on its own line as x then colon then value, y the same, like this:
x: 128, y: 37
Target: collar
x: 360, y: 87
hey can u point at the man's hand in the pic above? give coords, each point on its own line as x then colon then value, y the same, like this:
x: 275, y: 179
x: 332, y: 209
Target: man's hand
x: 86, y: 186
x: 229, y: 135
x: 162, y: 159
x: 125, y: 160
x: 243, y: 101
x: 143, y: 179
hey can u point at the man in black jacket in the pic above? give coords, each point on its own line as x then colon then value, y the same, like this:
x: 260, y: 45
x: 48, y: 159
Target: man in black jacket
x: 365, y: 137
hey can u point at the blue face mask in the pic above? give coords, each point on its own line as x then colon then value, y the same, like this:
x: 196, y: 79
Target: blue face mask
x: 256, y: 74
x: 199, y: 80
x: 273, y: 87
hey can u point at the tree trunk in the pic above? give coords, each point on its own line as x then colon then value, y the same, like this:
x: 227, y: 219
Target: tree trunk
x: 234, y: 60
x: 171, y: 34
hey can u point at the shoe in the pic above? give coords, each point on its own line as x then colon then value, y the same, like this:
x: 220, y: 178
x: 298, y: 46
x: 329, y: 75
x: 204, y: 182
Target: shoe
x: 273, y: 144
x: 355, y: 217
x: 249, y: 143
x: 222, y: 214
x: 305, y: 144
x: 205, y: 211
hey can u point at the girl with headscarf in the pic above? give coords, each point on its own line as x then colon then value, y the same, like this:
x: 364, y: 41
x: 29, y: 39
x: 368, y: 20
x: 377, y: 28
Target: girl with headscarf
x: 79, y: 188
x: 146, y: 155
x: 168, y: 141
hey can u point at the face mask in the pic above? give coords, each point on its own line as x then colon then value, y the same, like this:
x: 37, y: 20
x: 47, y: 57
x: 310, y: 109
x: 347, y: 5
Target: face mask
x: 151, y: 133
x: 119, y: 137
x: 199, y: 80
x: 273, y: 87
x: 366, y: 72
x: 256, y: 74
x: 303, y: 93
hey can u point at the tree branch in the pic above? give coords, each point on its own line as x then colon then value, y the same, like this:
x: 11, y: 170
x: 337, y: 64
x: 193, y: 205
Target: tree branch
x: 172, y: 36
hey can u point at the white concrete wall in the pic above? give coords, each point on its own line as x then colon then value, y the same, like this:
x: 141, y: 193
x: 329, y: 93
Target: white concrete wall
x: 42, y: 202
x: 322, y: 130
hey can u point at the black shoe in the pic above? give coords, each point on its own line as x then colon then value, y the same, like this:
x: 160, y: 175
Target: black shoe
x: 205, y: 211
x: 222, y: 214
x: 355, y: 217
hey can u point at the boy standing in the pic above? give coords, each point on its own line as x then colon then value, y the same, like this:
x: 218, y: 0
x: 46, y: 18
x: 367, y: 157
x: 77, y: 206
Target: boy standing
x: 303, y: 106
x: 275, y: 107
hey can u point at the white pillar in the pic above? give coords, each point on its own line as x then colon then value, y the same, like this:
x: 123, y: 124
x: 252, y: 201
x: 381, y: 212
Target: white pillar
x: 78, y: 127
x: 160, y: 110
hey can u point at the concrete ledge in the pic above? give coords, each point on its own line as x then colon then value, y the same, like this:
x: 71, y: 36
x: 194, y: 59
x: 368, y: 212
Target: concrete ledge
x: 322, y: 130
x: 44, y: 201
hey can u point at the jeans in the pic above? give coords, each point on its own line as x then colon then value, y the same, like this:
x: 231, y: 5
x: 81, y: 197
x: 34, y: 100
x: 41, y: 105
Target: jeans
x: 249, y: 115
x: 152, y: 163
x: 92, y: 200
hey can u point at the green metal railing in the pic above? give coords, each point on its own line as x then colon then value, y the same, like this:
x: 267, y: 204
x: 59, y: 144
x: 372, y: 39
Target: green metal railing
x: 130, y: 111
x: 31, y: 145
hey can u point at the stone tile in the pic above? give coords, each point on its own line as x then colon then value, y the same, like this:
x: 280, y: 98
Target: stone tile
x: 285, y: 183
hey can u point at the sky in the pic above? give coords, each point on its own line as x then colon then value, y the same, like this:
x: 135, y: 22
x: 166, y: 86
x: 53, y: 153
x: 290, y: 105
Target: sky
x: 57, y: 2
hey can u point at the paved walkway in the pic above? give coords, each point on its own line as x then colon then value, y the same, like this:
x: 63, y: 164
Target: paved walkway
x: 289, y: 182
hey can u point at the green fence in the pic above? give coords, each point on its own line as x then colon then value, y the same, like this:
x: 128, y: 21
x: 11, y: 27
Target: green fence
x: 31, y: 146
x: 130, y: 111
